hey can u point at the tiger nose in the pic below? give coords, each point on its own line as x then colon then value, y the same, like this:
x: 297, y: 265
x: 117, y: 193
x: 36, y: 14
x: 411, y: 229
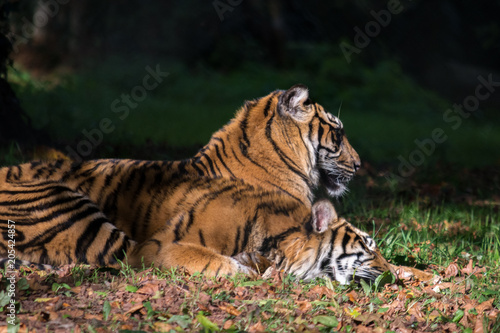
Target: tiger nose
x: 357, y: 165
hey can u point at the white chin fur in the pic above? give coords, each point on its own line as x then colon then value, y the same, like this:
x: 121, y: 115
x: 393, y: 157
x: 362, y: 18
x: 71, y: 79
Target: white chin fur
x: 342, y: 279
x: 338, y: 191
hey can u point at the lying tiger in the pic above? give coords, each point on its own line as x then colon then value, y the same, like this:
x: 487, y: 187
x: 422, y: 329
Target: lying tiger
x: 326, y: 246
x: 329, y: 246
x: 247, y: 190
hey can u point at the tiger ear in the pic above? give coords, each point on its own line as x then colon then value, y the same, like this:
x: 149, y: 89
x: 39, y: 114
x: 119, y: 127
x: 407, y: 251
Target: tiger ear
x: 291, y: 102
x: 323, y: 214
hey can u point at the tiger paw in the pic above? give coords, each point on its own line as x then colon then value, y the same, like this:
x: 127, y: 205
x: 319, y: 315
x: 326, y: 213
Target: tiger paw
x: 253, y: 261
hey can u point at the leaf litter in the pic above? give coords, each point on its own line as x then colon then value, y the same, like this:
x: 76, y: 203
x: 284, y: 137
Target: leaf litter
x: 159, y: 302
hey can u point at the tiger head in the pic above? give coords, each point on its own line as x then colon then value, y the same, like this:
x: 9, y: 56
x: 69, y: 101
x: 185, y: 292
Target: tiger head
x: 332, y: 160
x: 331, y: 247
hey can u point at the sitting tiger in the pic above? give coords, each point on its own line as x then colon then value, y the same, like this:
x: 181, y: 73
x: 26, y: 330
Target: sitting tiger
x: 247, y: 190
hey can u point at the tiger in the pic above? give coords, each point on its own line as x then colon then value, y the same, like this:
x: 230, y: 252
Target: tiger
x: 326, y: 247
x: 330, y: 247
x: 246, y: 190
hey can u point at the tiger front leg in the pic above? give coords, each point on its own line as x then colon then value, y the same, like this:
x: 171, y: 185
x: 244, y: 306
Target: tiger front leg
x: 192, y: 257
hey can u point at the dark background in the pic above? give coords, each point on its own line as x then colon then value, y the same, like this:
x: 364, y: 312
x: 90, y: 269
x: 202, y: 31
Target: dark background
x: 394, y: 90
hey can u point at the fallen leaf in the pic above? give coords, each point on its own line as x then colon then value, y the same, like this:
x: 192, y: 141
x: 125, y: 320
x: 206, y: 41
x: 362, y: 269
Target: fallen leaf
x: 486, y: 305
x: 256, y: 328
x: 76, y: 290
x: 230, y: 309
x: 451, y: 270
x: 134, y: 308
x: 304, y: 306
x: 227, y: 325
x: 442, y: 286
x: 353, y: 296
x: 367, y: 318
x: 469, y: 269
x: 46, y: 300
x: 433, y: 315
x: 162, y: 327
x: 90, y: 316
x: 126, y: 327
x: 318, y: 292
x: 417, y: 313
x: 355, y: 312
x: 148, y: 289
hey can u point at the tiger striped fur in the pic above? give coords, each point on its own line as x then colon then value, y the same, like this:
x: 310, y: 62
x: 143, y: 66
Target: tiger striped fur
x: 341, y: 251
x: 248, y: 189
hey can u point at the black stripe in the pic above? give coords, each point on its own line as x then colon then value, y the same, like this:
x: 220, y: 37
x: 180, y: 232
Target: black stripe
x: 218, y: 270
x: 200, y: 172
x: 210, y: 164
x: 235, y: 156
x: 39, y: 190
x: 271, y: 242
x: 223, y: 145
x: 236, y: 242
x: 291, y: 165
x: 219, y: 157
x: 177, y: 229
x: 87, y: 238
x: 9, y: 173
x: 120, y: 253
x: 82, y: 202
x: 132, y: 174
x: 202, y: 239
x: 206, y: 266
x: 43, y: 239
x: 243, y: 128
x: 268, y: 104
x: 110, y: 242
x: 47, y: 205
x: 285, y: 191
x: 247, y: 231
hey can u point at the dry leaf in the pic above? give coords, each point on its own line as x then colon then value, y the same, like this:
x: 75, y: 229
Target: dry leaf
x: 451, y: 270
x: 162, y: 327
x: 353, y: 296
x: 304, y: 306
x: 134, y: 308
x: 230, y: 309
x: 415, y: 311
x: 148, y: 289
x: 478, y: 328
x: 227, y: 325
x: 469, y: 269
x: 256, y: 328
x: 486, y: 305
x: 76, y: 290
x: 441, y: 286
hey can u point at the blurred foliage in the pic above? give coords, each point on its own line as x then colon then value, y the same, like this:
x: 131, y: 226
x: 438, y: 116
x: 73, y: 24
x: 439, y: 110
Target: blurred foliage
x: 383, y: 109
x: 92, y: 52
